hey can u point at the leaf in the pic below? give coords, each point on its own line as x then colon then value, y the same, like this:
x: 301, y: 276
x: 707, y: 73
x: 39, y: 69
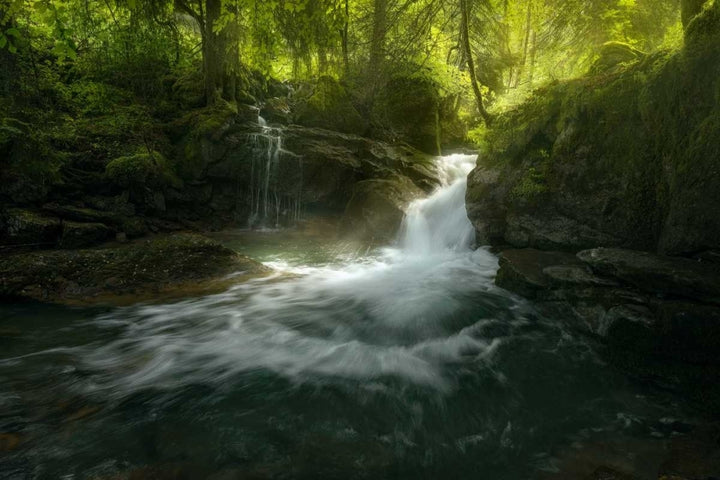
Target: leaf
x: 13, y: 32
x: 3, y: 40
x: 12, y: 48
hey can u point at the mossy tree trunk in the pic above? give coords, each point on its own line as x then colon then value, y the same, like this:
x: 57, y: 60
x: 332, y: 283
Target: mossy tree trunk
x: 219, y: 48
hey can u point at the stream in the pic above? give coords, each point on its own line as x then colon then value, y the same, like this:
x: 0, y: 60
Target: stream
x: 396, y: 362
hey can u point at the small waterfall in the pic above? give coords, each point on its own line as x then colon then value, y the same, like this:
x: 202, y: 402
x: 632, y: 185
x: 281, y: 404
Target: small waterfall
x: 270, y: 204
x: 439, y: 223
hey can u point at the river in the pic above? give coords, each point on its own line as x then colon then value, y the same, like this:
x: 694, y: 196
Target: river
x: 396, y: 362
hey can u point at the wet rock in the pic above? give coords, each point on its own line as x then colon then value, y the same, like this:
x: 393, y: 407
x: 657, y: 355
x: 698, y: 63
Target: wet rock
x: 523, y: 271
x: 634, y: 301
x: 163, y: 266
x: 676, y: 277
x: 277, y: 110
x: 79, y: 235
x: 27, y: 227
x: 377, y: 208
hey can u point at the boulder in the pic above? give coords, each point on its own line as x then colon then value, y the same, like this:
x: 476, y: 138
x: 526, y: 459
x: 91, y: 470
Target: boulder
x: 330, y: 107
x: 377, y: 208
x: 645, y: 304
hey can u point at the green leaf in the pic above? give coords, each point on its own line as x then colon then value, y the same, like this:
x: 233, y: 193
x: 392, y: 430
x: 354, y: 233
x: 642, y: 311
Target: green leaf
x: 3, y: 40
x: 13, y: 32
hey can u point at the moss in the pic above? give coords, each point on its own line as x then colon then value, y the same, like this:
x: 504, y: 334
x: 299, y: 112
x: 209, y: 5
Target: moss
x: 633, y: 150
x: 142, y: 169
x: 330, y: 107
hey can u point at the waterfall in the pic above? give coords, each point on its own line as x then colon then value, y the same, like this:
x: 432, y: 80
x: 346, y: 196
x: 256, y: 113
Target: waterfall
x: 268, y: 203
x: 439, y: 223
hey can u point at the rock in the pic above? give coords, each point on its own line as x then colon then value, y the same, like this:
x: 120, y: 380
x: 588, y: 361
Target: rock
x: 28, y: 228
x: 410, y: 107
x: 79, y: 235
x: 377, y: 208
x: 597, y: 161
x: 607, y: 473
x: 672, y: 277
x: 176, y: 264
x: 523, y: 271
x: 277, y: 110
x: 330, y: 107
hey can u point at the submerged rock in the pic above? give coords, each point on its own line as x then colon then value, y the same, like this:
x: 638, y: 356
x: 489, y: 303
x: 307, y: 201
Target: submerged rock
x: 163, y: 266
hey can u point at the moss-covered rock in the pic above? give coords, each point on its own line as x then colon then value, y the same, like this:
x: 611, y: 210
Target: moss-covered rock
x: 180, y: 264
x: 29, y: 228
x: 410, y: 108
x: 330, y: 107
x: 142, y: 170
x: 628, y: 157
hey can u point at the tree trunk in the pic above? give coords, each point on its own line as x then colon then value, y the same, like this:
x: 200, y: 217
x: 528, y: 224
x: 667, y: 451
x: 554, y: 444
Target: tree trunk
x: 344, y: 38
x: 533, y: 53
x: 526, y: 43
x: 377, y: 44
x: 465, y: 34
x: 213, y: 53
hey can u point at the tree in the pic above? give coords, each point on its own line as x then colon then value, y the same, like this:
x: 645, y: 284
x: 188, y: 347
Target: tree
x: 468, y: 54
x: 219, y: 45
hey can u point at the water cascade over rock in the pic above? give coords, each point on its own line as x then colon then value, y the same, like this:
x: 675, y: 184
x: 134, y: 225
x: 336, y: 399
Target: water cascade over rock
x: 272, y: 202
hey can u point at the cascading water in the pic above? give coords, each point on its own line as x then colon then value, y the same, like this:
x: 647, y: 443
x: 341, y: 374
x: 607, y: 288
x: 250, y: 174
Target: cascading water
x: 439, y: 222
x: 403, y: 363
x: 267, y: 203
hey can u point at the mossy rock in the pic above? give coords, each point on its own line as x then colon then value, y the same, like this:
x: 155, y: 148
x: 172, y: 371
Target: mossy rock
x: 330, y: 107
x: 142, y: 169
x: 164, y: 266
x: 199, y: 136
x: 30, y: 228
x: 627, y: 155
x: 410, y: 108
x: 616, y: 54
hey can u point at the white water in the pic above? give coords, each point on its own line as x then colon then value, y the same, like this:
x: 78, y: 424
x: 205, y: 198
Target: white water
x: 407, y: 312
x: 267, y: 204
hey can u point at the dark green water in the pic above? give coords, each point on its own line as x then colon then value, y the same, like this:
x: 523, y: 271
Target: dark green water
x: 400, y: 363
x: 385, y: 368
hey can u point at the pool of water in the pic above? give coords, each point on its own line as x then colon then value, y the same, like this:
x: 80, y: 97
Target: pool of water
x: 398, y: 362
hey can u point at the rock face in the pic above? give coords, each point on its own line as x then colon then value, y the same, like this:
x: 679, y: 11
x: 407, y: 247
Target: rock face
x: 635, y: 301
x: 179, y: 264
x: 624, y: 158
